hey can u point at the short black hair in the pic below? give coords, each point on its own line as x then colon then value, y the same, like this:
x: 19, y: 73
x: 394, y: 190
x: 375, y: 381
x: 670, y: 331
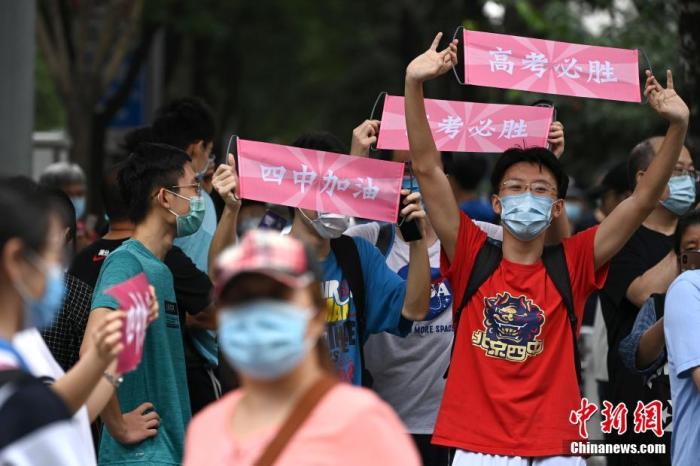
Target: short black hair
x: 639, y: 159
x: 687, y: 220
x: 537, y: 155
x: 468, y: 170
x: 183, y: 122
x: 26, y: 211
x: 115, y: 207
x: 147, y: 168
x: 320, y: 140
x: 63, y: 207
x: 135, y: 137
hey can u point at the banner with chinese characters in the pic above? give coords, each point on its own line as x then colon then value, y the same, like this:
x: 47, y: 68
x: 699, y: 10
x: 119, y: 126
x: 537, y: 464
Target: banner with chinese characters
x: 321, y: 181
x: 134, y: 297
x: 468, y: 126
x: 537, y: 65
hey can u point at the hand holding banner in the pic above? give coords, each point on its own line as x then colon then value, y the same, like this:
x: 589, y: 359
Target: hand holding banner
x: 468, y: 126
x: 134, y: 297
x: 321, y: 181
x: 538, y: 65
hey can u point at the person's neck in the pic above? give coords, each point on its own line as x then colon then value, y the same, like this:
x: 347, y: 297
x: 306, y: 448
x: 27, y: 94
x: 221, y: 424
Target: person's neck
x: 661, y: 220
x: 522, y: 252
x: 11, y: 311
x: 156, y: 235
x: 283, y: 391
x: 119, y: 229
x: 430, y: 235
x: 463, y: 195
x: 306, y: 234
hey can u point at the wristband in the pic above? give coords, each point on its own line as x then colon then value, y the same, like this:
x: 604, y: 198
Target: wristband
x: 115, y: 381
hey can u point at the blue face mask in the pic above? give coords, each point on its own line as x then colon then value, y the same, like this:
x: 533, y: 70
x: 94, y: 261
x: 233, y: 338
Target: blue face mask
x: 41, y: 312
x: 574, y: 211
x: 682, y: 194
x: 264, y: 340
x: 526, y: 216
x: 79, y: 206
x: 189, y: 223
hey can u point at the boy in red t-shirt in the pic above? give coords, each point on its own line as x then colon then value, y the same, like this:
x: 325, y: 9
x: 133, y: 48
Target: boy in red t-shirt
x: 512, y: 382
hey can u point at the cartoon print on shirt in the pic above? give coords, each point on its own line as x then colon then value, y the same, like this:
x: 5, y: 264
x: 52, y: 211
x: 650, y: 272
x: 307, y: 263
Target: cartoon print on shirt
x: 511, y: 327
x: 341, y: 326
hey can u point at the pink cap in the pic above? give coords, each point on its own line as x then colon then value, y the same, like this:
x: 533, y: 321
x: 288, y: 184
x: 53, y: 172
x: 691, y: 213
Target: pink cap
x: 280, y: 257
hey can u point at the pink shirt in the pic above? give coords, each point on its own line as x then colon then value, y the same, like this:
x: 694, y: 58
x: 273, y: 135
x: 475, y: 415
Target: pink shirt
x: 350, y: 426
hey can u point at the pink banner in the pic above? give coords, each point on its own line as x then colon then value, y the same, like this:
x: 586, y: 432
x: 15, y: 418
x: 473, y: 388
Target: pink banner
x: 468, y: 126
x: 134, y: 297
x: 537, y: 65
x: 321, y: 181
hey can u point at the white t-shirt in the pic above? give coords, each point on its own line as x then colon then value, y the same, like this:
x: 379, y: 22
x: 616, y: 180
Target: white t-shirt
x: 42, y: 364
x: 408, y: 372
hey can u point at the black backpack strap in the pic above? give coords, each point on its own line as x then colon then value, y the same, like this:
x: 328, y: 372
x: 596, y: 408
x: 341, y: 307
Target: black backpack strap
x: 485, y: 264
x: 385, y: 238
x: 659, y: 303
x: 348, y: 258
x: 554, y: 261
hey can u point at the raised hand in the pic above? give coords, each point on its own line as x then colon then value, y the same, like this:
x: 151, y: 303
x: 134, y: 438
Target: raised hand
x: 431, y: 63
x: 363, y: 137
x: 412, y: 208
x: 556, y: 138
x: 108, y: 335
x: 225, y: 181
x: 666, y: 102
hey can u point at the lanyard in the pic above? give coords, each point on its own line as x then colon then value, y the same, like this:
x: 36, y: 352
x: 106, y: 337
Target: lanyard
x: 6, y: 346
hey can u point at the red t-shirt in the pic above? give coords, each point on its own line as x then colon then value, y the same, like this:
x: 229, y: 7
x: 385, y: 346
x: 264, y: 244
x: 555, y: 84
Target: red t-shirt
x: 512, y: 381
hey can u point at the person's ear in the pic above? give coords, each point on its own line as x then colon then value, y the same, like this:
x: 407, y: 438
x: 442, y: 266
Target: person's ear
x: 161, y: 199
x: 557, y: 208
x: 638, y: 177
x: 496, y: 204
x: 13, y: 261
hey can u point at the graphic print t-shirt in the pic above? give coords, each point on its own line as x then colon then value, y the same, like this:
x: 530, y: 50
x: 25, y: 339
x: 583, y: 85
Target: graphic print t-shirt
x: 384, y: 295
x: 160, y: 378
x: 512, y: 381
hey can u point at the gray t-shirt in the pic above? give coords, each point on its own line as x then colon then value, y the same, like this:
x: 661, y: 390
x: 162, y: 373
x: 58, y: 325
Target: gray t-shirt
x: 408, y: 372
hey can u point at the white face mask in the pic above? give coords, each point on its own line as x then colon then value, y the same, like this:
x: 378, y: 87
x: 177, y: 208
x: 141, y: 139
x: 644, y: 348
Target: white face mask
x: 328, y: 226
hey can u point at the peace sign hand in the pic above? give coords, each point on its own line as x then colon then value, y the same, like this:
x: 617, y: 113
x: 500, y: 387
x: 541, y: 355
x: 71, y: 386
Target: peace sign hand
x: 666, y: 102
x: 431, y: 63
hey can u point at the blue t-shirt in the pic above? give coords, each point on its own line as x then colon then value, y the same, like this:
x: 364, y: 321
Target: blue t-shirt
x: 681, y: 329
x: 384, y: 296
x: 160, y: 378
x: 196, y: 247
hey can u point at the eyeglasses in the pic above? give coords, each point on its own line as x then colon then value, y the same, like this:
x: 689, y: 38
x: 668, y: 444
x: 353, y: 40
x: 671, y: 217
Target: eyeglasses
x: 538, y: 188
x: 694, y: 174
x: 196, y: 186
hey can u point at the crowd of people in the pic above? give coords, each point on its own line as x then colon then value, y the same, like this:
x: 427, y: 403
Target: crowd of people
x: 280, y: 335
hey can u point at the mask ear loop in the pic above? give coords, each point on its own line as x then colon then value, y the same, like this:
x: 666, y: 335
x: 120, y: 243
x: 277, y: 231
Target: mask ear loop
x: 646, y: 58
x: 381, y: 96
x: 454, y: 67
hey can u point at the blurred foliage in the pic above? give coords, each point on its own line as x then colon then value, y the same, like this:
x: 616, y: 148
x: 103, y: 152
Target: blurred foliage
x: 48, y: 110
x: 274, y: 69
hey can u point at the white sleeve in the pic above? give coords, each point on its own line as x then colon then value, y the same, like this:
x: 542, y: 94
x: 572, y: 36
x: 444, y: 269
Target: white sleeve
x: 493, y: 231
x: 367, y: 231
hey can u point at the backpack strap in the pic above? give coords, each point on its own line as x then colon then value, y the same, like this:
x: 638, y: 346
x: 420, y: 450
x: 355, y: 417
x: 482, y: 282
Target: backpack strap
x: 485, y: 264
x: 348, y: 258
x: 300, y: 413
x: 554, y: 261
x: 385, y: 238
x: 659, y: 303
